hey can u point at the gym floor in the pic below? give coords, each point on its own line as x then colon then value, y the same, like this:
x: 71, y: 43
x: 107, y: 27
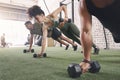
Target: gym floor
x: 16, y: 65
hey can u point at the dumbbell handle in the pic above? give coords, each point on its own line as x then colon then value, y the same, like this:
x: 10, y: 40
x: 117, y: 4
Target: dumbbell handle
x: 62, y: 20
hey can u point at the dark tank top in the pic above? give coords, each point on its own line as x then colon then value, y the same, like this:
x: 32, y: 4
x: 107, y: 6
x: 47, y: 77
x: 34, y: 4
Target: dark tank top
x: 109, y: 16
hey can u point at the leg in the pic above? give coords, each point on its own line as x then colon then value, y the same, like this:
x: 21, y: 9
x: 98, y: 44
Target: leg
x: 56, y: 36
x: 69, y: 41
x: 70, y: 32
x: 62, y: 42
x: 74, y: 29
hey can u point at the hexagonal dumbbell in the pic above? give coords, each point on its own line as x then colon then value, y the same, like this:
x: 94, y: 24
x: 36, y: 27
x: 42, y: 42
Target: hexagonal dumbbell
x: 74, y: 70
x: 32, y: 50
x: 36, y: 55
x: 25, y: 51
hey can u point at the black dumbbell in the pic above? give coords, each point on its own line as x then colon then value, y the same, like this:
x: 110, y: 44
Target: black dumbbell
x: 36, y: 55
x: 69, y: 21
x: 32, y: 50
x: 61, y: 20
x: 25, y: 51
x: 74, y: 70
x: 44, y: 55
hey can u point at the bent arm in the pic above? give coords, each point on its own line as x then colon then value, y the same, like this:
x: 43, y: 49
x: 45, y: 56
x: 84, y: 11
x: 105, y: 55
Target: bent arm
x: 55, y: 13
x: 86, y: 30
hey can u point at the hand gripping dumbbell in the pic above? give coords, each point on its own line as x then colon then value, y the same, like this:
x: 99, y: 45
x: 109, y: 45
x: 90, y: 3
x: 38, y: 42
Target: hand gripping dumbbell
x: 36, y: 55
x: 62, y: 20
x: 74, y: 70
x: 25, y: 51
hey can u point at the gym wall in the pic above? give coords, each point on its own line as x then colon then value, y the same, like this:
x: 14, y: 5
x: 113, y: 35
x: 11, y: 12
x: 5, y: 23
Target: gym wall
x: 12, y: 18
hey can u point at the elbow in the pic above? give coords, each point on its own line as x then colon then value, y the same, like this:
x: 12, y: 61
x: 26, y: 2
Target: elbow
x: 86, y: 33
x: 63, y: 6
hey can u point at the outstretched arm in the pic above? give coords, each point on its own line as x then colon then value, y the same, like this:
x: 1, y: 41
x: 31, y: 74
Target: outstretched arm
x: 55, y: 13
x: 31, y: 42
x: 44, y: 39
x: 86, y: 33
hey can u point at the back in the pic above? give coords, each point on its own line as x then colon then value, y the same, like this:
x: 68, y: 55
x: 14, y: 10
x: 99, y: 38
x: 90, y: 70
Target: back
x: 37, y: 29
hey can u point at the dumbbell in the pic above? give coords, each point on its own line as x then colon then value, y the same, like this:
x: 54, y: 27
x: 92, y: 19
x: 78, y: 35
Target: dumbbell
x: 25, y: 51
x: 36, y: 55
x: 75, y: 71
x: 61, y: 20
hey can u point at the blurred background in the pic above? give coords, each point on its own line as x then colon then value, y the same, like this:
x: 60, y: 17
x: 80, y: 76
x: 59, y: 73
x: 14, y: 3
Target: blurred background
x: 13, y: 16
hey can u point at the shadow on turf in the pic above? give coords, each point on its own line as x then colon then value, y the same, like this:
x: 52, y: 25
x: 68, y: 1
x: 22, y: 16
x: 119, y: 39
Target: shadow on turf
x: 110, y: 61
x: 62, y: 74
x: 109, y: 56
x: 51, y: 57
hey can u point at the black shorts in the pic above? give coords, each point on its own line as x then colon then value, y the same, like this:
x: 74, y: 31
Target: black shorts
x: 55, y: 33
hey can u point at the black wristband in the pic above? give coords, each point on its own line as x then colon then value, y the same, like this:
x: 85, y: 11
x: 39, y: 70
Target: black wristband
x: 86, y: 61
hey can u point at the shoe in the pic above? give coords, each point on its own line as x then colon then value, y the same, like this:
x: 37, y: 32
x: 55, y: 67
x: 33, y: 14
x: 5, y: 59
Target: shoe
x: 75, y: 48
x: 67, y: 47
x: 96, y: 51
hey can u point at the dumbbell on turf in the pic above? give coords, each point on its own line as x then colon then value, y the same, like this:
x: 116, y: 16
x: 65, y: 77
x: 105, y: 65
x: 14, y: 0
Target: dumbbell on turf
x: 25, y: 51
x: 74, y: 70
x: 36, y: 55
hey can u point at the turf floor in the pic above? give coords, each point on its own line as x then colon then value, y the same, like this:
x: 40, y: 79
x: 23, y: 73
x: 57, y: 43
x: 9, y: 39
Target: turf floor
x: 16, y: 65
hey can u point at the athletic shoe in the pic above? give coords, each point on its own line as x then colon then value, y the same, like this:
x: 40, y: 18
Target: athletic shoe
x: 67, y: 47
x: 96, y: 51
x: 75, y: 48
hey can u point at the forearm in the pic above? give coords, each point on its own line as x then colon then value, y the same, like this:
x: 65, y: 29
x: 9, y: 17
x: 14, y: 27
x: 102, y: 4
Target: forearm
x: 30, y: 45
x: 55, y: 13
x: 44, y: 38
x: 43, y: 46
x: 64, y: 8
x: 86, y: 41
x: 31, y: 42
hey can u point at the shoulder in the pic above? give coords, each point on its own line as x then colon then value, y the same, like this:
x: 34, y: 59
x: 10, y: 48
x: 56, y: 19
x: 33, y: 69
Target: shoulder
x: 83, y: 9
x: 82, y: 4
x: 48, y: 21
x: 36, y: 24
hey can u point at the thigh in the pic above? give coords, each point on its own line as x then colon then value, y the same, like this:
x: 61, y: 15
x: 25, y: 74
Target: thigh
x: 74, y: 29
x: 55, y: 33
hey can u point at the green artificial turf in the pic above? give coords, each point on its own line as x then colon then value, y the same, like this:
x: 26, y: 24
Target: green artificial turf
x: 16, y: 65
